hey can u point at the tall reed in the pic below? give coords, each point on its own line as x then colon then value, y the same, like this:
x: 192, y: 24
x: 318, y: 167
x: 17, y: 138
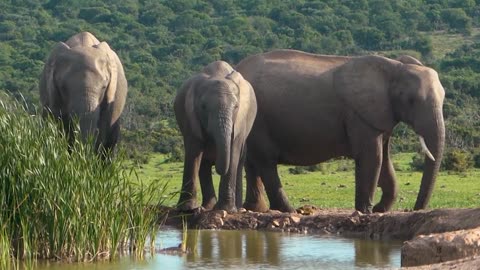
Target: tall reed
x: 66, y: 205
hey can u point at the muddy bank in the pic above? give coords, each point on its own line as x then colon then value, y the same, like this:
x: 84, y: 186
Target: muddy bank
x: 393, y: 225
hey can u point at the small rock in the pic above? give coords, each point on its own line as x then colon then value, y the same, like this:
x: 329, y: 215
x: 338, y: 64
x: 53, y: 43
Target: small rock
x: 295, y: 219
x: 242, y: 210
x: 284, y: 222
x: 276, y: 223
x: 223, y: 213
x: 357, y: 214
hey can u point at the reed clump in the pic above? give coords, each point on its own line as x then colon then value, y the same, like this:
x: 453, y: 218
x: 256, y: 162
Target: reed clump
x: 67, y: 205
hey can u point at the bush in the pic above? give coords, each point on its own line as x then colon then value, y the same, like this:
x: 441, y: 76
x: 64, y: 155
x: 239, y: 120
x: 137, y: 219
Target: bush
x: 61, y: 204
x: 457, y: 160
x: 297, y: 170
x: 476, y: 158
x: 417, y: 162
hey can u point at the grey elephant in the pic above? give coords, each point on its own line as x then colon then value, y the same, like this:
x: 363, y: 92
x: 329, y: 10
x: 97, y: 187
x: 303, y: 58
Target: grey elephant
x: 83, y: 78
x: 313, y: 107
x: 215, y: 110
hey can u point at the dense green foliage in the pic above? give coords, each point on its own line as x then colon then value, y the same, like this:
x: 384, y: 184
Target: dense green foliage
x: 68, y: 206
x: 163, y: 42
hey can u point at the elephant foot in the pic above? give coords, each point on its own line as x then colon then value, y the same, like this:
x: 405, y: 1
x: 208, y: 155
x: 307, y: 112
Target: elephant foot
x: 259, y: 206
x: 187, y: 205
x: 209, y: 204
x: 280, y: 202
x: 284, y: 207
x: 364, y: 209
x: 229, y: 207
x: 380, y: 208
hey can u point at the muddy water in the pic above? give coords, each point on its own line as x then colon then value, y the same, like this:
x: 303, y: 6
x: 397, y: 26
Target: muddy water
x: 258, y: 250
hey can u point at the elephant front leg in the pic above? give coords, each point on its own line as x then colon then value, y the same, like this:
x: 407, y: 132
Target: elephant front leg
x: 386, y: 181
x: 188, y: 194
x: 228, y: 183
x: 254, y: 198
x: 206, y: 184
x: 239, y: 179
x: 367, y: 169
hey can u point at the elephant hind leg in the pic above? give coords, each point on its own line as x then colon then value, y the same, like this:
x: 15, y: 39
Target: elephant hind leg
x: 386, y: 182
x: 273, y: 187
x: 254, y: 197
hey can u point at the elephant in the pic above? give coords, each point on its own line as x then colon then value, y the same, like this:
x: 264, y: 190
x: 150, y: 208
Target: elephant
x: 83, y: 78
x: 312, y: 108
x: 215, y: 110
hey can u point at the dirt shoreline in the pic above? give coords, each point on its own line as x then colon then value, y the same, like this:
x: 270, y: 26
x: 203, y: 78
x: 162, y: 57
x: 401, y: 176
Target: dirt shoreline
x: 309, y: 219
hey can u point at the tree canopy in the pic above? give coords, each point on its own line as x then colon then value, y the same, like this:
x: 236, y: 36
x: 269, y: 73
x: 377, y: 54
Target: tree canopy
x: 162, y: 43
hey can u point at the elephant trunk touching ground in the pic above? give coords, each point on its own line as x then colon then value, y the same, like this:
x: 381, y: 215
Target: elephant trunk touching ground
x: 434, y: 135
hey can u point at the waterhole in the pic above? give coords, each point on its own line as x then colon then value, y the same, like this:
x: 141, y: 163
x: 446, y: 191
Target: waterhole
x: 256, y: 250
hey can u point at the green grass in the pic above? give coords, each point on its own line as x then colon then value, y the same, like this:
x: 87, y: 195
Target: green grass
x: 333, y: 186
x: 66, y: 206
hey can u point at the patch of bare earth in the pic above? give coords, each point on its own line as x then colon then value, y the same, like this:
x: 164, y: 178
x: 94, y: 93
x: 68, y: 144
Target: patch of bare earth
x: 441, y: 238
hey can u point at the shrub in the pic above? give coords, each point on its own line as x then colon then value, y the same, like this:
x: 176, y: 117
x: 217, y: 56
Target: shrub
x: 417, y: 162
x: 476, y: 158
x: 457, y: 160
x: 297, y: 170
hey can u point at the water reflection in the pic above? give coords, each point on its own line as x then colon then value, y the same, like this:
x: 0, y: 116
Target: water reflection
x: 378, y: 253
x: 258, y: 250
x: 239, y: 249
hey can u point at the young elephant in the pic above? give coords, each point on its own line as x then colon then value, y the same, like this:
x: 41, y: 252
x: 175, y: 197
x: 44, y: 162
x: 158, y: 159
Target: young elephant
x: 84, y: 78
x: 215, y: 110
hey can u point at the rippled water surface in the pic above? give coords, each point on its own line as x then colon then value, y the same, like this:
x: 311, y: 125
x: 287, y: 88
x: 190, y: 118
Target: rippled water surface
x: 258, y: 250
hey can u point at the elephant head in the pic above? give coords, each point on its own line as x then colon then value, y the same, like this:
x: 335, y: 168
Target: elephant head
x: 383, y: 92
x: 84, y: 78
x: 212, y: 108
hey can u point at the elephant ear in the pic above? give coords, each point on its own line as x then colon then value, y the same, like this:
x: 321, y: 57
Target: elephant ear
x: 363, y: 84
x: 245, y: 99
x: 112, y: 69
x: 48, y: 89
x: 189, y: 90
x: 407, y: 59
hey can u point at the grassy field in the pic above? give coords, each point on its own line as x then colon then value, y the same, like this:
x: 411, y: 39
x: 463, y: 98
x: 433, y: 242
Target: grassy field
x: 333, y: 186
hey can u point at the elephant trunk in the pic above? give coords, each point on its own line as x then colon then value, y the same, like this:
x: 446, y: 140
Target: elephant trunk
x: 433, y: 131
x: 89, y: 125
x: 223, y: 141
x: 88, y: 112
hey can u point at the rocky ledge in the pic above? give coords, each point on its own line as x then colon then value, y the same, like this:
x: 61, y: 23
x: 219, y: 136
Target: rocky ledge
x: 436, y: 236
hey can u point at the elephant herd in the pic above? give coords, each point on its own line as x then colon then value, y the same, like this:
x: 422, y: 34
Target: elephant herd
x: 285, y: 106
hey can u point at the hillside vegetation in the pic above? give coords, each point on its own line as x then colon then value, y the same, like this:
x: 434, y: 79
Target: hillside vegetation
x: 163, y: 42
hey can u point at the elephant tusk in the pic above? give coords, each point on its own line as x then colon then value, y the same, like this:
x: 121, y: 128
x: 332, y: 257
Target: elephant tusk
x: 425, y: 149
